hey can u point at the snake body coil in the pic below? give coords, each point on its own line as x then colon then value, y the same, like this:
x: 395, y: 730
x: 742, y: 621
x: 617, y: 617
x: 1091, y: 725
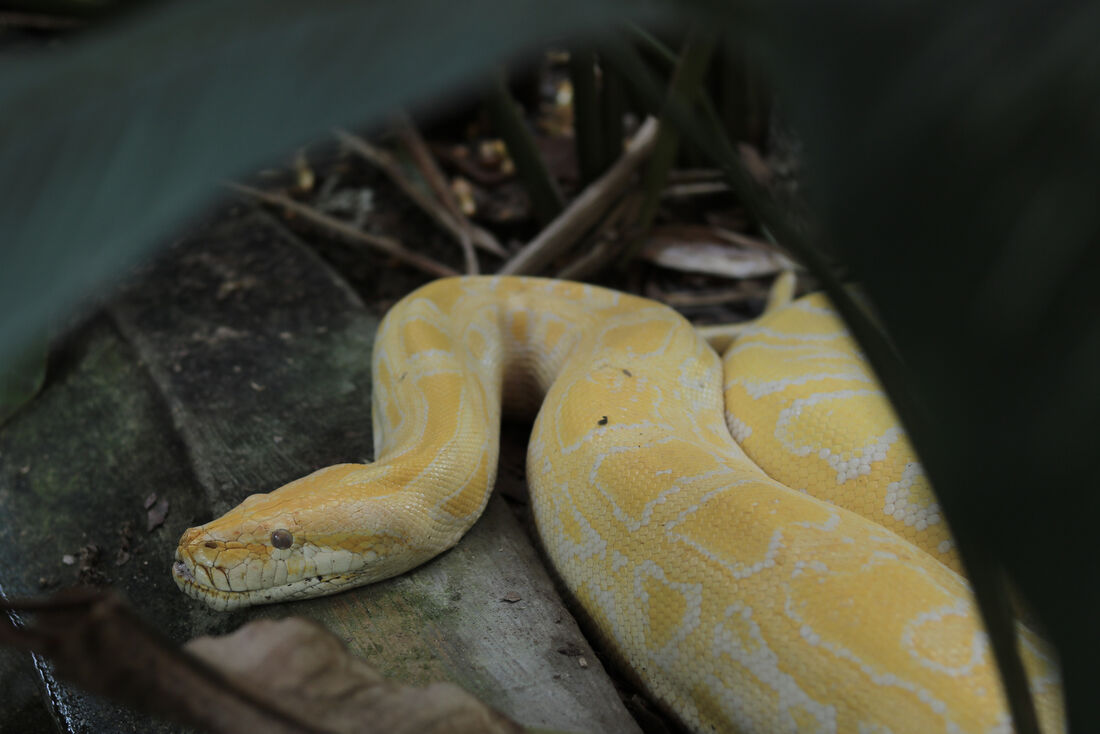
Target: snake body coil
x: 812, y: 587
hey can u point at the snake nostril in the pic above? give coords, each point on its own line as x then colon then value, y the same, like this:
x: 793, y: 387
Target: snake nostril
x: 210, y: 544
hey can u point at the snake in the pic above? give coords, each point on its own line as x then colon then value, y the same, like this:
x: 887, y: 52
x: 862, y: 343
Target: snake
x: 750, y: 536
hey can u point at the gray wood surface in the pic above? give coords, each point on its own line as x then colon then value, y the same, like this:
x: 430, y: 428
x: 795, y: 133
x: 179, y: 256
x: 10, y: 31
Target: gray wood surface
x: 236, y: 362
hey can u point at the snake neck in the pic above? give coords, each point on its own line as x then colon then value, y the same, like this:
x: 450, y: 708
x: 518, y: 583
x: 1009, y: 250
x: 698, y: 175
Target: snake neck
x: 445, y: 361
x: 446, y: 358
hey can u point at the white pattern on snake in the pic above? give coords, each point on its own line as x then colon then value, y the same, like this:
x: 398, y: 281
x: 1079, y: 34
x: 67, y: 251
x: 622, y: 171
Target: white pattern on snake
x: 810, y: 588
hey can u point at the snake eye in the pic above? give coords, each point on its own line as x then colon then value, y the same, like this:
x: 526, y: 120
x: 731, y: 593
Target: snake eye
x: 282, y: 538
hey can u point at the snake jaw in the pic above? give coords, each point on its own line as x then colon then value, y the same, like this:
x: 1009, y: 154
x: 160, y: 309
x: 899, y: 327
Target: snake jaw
x: 221, y: 588
x: 246, y: 571
x: 213, y: 584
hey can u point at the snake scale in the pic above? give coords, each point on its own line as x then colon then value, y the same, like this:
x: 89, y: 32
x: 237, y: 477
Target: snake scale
x: 750, y: 535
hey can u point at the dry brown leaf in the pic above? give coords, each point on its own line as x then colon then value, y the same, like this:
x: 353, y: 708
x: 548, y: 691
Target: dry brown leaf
x: 98, y: 643
x: 696, y: 249
x: 295, y: 664
x: 279, y: 677
x: 155, y: 515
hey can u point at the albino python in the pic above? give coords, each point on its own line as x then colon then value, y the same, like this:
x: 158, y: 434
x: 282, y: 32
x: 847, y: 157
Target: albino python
x: 798, y: 578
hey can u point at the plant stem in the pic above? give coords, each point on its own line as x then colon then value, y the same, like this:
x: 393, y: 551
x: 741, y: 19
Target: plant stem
x: 985, y: 572
x: 586, y: 115
x: 546, y: 199
x: 682, y: 89
x: 612, y: 108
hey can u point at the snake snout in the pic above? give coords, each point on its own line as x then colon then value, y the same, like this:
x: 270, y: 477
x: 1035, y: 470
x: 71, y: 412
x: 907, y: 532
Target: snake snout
x: 183, y: 571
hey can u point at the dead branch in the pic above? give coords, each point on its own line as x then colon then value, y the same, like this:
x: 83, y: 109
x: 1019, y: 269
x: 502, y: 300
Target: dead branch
x: 437, y: 180
x: 388, y: 245
x: 585, y: 210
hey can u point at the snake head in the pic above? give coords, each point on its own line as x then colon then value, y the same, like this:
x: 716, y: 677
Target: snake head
x: 336, y: 528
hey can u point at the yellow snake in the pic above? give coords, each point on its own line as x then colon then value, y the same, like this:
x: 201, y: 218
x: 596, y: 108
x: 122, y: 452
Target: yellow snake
x: 798, y: 578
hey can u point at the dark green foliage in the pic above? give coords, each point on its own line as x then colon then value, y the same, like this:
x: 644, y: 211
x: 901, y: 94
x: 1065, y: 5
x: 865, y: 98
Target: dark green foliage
x: 591, y: 158
x: 117, y: 136
x: 956, y: 169
x: 510, y: 122
x: 22, y: 378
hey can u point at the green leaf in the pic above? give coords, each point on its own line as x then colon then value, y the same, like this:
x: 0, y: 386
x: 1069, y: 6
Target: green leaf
x: 586, y: 114
x: 683, y: 87
x: 956, y: 168
x: 511, y: 125
x: 22, y: 378
x: 114, y: 138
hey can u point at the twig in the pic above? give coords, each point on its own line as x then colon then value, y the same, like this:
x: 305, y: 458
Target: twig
x: 608, y: 241
x: 694, y: 175
x: 690, y: 299
x: 436, y: 179
x: 586, y: 209
x: 388, y: 245
x: 592, y: 261
x: 430, y: 206
x: 701, y: 188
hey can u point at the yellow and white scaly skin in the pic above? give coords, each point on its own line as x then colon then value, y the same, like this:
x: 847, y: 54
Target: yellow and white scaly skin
x: 830, y: 602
